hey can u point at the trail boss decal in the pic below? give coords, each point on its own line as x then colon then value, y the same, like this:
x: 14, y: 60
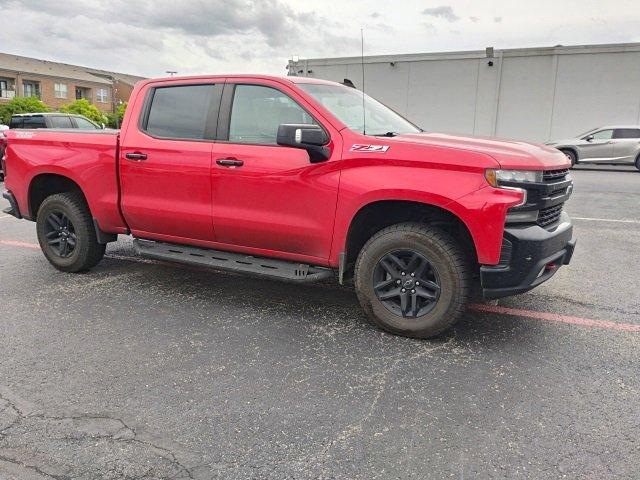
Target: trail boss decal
x: 369, y: 148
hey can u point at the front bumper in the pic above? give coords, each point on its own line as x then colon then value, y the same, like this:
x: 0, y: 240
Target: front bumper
x: 13, y: 209
x: 530, y: 256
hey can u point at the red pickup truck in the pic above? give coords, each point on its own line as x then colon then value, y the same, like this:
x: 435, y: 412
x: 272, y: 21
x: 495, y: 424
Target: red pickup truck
x: 302, y: 180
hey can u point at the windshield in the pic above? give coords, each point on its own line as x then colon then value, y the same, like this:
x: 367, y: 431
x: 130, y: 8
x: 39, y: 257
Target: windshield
x: 347, y: 105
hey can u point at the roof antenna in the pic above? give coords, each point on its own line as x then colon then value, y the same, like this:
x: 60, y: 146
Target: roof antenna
x: 364, y: 110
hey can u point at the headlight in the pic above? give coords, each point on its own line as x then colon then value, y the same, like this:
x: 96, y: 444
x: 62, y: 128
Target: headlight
x: 497, y: 178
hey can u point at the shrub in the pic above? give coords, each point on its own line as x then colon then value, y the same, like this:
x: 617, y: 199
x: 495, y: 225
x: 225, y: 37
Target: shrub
x: 21, y: 105
x: 115, y: 119
x: 86, y: 109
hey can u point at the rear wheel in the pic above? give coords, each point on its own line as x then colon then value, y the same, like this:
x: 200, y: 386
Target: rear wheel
x: 570, y: 154
x: 66, y: 233
x: 412, y: 280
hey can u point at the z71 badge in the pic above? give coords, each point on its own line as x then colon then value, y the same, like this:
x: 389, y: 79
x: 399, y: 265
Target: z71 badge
x: 369, y: 148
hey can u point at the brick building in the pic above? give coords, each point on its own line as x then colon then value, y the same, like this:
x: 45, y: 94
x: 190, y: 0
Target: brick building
x: 57, y: 84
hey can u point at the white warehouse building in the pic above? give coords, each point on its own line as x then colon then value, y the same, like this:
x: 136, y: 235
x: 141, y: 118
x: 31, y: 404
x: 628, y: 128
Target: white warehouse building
x: 535, y: 94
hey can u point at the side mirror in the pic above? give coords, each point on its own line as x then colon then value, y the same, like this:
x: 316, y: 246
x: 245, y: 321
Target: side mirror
x: 590, y: 138
x: 311, y: 138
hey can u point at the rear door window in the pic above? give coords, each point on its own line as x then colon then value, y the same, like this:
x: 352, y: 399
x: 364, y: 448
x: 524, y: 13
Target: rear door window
x: 621, y: 133
x: 60, y: 122
x: 34, y: 122
x: 182, y: 112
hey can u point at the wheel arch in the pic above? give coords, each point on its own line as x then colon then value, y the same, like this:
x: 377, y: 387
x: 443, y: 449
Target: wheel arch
x: 572, y: 149
x: 44, y: 185
x: 377, y: 215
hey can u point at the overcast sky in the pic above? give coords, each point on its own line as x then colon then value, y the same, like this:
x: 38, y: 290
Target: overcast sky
x: 149, y: 37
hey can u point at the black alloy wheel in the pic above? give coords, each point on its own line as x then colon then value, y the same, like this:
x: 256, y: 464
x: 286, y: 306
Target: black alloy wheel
x: 60, y: 234
x: 406, y: 283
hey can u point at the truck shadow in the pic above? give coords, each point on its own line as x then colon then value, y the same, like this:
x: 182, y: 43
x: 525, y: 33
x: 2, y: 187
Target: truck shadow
x: 316, y: 306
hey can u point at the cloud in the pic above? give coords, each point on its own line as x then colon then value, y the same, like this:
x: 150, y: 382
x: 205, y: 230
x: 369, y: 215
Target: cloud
x: 497, y: 19
x: 147, y: 37
x: 444, y: 11
x: 474, y: 19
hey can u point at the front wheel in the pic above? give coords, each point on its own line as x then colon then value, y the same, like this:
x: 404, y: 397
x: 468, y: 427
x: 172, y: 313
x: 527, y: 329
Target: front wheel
x: 570, y: 154
x: 66, y: 233
x: 412, y: 280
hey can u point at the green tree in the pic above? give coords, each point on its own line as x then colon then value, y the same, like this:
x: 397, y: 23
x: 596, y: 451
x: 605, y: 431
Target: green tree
x: 115, y: 119
x: 86, y: 109
x: 21, y: 105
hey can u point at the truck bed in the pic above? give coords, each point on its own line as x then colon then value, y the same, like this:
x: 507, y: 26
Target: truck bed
x: 86, y: 157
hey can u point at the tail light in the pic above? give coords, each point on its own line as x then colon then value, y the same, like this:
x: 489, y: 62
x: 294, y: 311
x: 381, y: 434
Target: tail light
x: 3, y: 148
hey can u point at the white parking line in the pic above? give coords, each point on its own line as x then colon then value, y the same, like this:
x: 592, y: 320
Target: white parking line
x: 605, y: 220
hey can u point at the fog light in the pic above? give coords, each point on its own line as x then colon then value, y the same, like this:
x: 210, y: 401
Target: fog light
x: 526, y: 216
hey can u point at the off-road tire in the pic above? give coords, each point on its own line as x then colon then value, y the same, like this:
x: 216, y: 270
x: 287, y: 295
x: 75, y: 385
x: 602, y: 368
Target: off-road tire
x: 442, y: 252
x: 87, y: 252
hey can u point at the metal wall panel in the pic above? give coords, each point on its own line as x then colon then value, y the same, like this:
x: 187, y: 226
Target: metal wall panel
x: 526, y: 97
x: 529, y: 94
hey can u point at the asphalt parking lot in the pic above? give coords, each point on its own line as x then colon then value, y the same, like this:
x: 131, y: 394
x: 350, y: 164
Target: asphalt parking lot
x: 143, y: 370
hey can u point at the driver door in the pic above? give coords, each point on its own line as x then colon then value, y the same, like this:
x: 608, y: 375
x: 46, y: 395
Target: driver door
x: 269, y: 198
x: 598, y: 148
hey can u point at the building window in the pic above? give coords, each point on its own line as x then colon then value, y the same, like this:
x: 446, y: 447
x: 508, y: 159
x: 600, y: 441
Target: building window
x: 102, y: 96
x: 61, y: 90
x: 82, y: 92
x: 7, y: 88
x: 31, y: 89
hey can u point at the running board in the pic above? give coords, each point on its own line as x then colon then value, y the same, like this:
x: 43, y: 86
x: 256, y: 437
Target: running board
x: 234, y: 262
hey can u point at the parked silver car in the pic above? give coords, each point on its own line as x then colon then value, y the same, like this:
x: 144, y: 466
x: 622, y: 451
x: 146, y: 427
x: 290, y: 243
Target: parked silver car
x: 614, y: 145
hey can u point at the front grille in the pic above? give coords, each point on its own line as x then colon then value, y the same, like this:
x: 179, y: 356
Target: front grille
x: 555, y: 175
x: 549, y: 215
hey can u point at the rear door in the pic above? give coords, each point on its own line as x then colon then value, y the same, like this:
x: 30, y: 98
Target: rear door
x: 598, y: 149
x: 266, y: 196
x: 626, y: 144
x: 165, y: 162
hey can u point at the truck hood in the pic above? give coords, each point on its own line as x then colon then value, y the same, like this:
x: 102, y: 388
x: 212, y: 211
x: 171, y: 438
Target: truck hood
x: 510, y: 154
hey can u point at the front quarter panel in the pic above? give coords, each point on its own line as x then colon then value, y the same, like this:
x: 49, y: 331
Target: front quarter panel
x: 443, y: 177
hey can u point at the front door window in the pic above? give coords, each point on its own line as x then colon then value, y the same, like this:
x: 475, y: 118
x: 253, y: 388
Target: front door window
x: 257, y: 113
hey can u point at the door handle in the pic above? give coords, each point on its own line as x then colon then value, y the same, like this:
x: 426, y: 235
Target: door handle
x: 229, y: 162
x: 137, y: 156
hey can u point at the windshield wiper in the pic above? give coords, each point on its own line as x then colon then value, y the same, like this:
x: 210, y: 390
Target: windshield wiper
x: 388, y: 134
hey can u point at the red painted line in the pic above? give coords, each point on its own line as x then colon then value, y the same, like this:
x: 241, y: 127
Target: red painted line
x: 555, y: 317
x: 13, y: 243
x: 516, y: 312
